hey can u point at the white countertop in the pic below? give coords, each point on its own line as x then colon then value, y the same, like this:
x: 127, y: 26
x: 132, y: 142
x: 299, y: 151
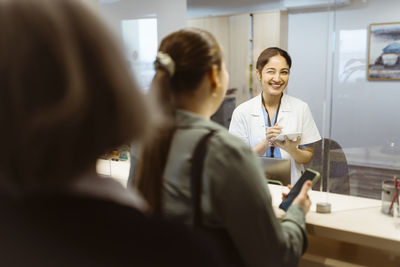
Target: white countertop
x: 353, y: 219
x: 119, y: 170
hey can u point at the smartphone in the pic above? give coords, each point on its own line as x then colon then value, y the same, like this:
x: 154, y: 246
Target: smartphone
x: 308, y: 175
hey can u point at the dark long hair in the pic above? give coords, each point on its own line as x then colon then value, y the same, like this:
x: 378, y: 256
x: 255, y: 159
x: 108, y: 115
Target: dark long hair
x: 66, y: 94
x: 193, y: 52
x: 265, y: 56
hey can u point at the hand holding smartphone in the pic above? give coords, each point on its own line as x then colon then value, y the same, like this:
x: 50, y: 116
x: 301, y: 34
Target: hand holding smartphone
x: 308, y: 175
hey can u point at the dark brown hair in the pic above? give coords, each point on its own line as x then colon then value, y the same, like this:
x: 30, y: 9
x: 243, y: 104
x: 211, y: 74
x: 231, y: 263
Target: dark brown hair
x: 194, y: 52
x: 265, y: 55
x: 66, y: 94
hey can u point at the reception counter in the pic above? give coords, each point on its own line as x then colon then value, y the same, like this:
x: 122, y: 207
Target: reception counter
x: 355, y: 233
x: 119, y: 170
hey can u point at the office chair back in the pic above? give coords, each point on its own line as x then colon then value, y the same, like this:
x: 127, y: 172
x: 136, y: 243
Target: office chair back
x: 338, y: 178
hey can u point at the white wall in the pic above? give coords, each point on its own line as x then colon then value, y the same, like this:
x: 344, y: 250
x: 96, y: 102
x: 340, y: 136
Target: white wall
x: 364, y: 113
x: 171, y: 14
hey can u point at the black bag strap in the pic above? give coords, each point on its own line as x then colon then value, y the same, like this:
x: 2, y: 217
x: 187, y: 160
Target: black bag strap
x: 198, y: 157
x: 221, y: 237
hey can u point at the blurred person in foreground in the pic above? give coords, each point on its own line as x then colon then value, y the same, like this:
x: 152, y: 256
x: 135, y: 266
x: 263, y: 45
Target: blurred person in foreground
x: 66, y: 97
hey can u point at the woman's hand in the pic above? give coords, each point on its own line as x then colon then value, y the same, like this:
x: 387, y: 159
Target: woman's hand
x: 284, y: 195
x: 301, y: 156
x: 270, y: 135
x: 273, y: 132
x: 288, y: 145
x: 302, y: 198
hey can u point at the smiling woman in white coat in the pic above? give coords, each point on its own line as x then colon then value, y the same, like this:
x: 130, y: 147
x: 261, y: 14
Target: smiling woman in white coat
x: 261, y: 119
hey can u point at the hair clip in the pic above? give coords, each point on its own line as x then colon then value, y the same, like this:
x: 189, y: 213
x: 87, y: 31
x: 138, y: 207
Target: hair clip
x: 165, y: 62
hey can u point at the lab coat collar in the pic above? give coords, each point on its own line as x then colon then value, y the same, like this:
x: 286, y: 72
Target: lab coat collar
x: 285, y: 103
x: 256, y: 105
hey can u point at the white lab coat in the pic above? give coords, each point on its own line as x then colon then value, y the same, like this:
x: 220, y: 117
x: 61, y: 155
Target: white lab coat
x: 294, y: 116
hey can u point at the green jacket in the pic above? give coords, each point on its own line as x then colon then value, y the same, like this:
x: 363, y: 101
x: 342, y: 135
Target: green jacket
x: 234, y: 195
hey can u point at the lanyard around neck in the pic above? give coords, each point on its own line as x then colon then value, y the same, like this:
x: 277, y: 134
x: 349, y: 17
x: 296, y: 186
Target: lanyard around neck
x: 277, y: 111
x: 269, y: 121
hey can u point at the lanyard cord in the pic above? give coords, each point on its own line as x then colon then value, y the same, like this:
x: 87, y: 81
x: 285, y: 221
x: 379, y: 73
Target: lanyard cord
x: 269, y: 121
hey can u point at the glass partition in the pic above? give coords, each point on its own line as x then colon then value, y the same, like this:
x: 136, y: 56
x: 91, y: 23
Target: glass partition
x: 365, y: 117
x: 358, y: 117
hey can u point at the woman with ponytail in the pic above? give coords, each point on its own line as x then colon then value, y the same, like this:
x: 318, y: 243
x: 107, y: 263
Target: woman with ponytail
x: 191, y: 170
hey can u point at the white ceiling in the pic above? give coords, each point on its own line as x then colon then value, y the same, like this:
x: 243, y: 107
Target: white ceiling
x: 203, y: 8
x: 200, y: 8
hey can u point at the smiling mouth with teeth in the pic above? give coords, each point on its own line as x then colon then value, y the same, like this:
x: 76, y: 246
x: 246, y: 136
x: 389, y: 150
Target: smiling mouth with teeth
x: 276, y: 85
